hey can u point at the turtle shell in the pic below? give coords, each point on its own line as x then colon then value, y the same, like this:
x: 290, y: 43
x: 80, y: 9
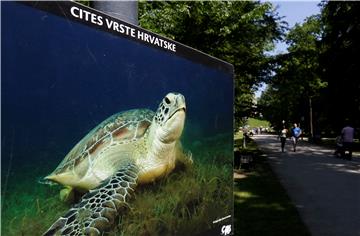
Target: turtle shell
x: 118, y: 130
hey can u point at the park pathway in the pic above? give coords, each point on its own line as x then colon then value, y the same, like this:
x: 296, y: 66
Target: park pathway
x: 325, y: 189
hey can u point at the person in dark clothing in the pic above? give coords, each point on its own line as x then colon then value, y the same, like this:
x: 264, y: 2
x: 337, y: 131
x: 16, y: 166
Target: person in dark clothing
x: 282, y: 136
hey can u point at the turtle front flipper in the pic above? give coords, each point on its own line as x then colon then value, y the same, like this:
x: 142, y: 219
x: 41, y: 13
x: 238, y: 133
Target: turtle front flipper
x: 67, y: 194
x: 98, y: 208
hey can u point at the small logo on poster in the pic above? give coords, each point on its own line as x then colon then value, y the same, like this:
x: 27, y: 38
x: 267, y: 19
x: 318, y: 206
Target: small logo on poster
x: 225, y: 230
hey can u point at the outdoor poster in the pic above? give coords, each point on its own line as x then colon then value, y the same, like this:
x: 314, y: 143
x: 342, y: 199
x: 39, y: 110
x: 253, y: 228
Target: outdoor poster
x: 107, y: 127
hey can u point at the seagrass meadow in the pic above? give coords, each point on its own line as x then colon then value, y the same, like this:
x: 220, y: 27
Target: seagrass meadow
x: 184, y: 203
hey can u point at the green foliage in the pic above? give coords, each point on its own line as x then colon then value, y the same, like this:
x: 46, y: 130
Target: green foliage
x: 86, y: 3
x: 238, y: 32
x: 296, y: 78
x: 340, y: 68
x: 320, y: 68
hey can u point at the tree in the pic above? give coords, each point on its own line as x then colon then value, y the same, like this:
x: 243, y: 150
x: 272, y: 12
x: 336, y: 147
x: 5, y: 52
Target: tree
x: 296, y: 82
x: 340, y: 66
x: 321, y: 66
x: 238, y: 32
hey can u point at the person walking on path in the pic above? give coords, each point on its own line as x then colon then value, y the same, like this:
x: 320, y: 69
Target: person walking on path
x: 282, y: 136
x: 347, y: 134
x: 295, y: 134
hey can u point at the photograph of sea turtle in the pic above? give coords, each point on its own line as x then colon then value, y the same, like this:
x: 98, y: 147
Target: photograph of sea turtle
x: 129, y: 148
x: 134, y: 139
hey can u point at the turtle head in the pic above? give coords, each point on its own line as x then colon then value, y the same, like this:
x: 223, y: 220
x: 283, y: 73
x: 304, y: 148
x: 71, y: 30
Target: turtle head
x: 170, y: 117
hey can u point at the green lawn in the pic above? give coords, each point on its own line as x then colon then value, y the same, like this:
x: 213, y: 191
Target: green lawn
x: 253, y: 122
x: 262, y: 206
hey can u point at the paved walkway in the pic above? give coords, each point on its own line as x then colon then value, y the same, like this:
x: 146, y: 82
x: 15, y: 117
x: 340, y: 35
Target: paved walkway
x: 325, y: 189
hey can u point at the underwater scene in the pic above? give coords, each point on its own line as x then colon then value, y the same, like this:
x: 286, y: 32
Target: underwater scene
x: 99, y: 126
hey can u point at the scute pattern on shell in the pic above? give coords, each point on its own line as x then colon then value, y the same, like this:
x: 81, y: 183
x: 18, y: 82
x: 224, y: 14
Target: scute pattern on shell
x: 124, y: 127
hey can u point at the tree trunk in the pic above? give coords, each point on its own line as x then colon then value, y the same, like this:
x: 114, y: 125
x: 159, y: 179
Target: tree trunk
x: 311, y: 119
x: 123, y: 10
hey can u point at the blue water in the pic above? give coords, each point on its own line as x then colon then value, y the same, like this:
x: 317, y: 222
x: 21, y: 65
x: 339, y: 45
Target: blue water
x: 61, y: 78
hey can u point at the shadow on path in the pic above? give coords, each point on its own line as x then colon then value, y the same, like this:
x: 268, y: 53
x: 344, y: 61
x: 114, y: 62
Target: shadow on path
x: 262, y: 206
x: 325, y: 189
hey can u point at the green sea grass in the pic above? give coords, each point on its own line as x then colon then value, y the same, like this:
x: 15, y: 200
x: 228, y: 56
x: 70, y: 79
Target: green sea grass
x: 184, y: 203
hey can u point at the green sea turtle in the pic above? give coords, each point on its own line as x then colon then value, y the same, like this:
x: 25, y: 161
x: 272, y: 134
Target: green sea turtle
x: 129, y: 148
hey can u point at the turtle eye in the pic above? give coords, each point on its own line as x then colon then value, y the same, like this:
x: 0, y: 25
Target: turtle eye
x: 167, y: 100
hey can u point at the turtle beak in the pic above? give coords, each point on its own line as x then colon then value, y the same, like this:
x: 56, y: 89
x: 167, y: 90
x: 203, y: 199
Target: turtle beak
x: 177, y: 110
x: 180, y: 102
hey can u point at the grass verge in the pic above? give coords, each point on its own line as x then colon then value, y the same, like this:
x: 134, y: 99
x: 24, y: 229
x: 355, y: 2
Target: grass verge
x: 262, y: 206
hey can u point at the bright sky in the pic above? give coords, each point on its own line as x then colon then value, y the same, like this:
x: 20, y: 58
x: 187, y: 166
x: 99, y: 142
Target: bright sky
x: 293, y: 12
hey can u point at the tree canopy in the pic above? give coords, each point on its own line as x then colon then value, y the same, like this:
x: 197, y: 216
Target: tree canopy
x: 238, y: 32
x: 340, y: 66
x: 317, y: 76
x: 296, y: 80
